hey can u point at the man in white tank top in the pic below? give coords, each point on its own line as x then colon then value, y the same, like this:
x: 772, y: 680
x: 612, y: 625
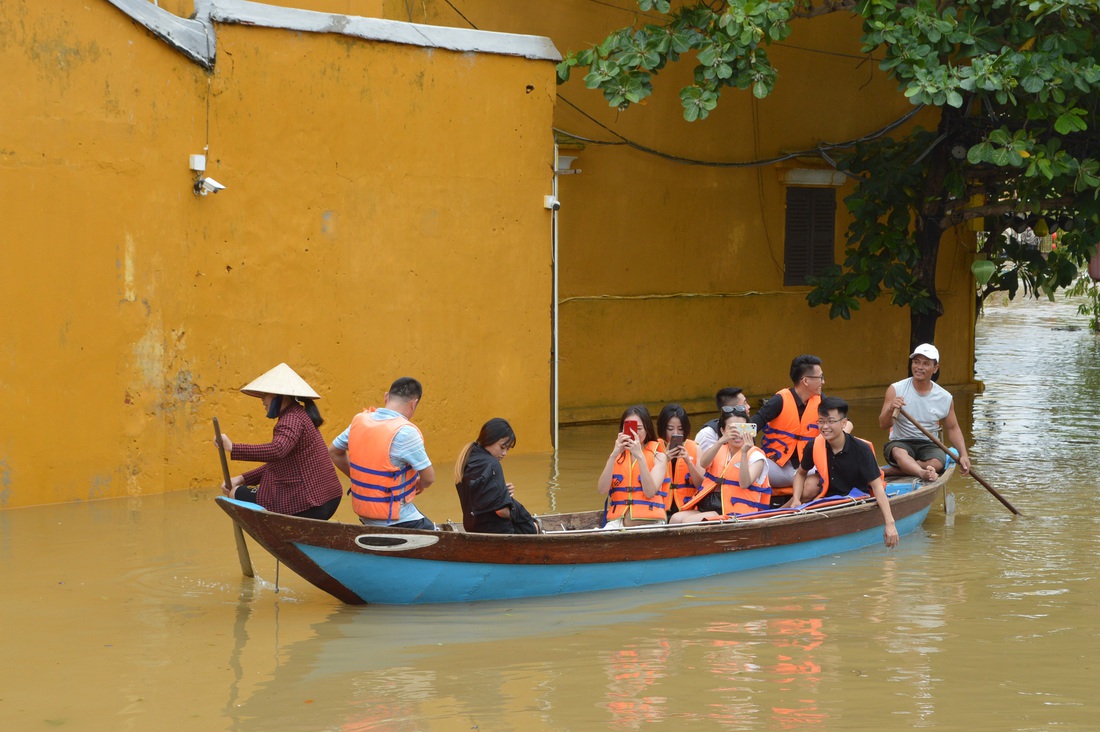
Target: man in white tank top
x: 929, y: 404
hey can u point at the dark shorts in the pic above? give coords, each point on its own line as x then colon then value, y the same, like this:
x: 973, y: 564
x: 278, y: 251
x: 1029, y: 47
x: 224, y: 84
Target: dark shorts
x: 710, y: 502
x: 917, y: 449
x: 323, y: 512
x: 244, y: 493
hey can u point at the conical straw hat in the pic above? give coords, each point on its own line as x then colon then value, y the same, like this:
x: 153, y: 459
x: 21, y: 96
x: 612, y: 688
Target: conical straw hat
x: 281, y: 380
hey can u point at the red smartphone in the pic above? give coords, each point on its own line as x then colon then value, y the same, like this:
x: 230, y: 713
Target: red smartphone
x: 631, y: 429
x: 675, y: 441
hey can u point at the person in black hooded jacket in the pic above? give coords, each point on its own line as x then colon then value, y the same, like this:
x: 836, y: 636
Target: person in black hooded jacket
x: 488, y: 504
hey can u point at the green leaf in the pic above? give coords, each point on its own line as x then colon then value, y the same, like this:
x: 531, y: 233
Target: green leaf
x: 1069, y: 122
x: 1032, y: 84
x: 980, y: 153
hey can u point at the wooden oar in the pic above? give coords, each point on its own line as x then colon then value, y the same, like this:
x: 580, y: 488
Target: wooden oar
x: 973, y: 473
x: 242, y: 548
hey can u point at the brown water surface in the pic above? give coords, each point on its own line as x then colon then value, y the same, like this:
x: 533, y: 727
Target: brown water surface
x: 132, y: 615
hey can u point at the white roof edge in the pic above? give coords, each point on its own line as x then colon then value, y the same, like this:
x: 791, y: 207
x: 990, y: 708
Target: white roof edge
x: 195, y: 38
x: 386, y: 31
x: 192, y: 38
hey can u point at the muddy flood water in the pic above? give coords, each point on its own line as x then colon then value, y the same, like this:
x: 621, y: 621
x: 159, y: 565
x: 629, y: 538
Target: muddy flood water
x: 133, y: 615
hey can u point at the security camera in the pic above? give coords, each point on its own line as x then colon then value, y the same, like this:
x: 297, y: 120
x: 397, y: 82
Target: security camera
x: 207, y: 185
x: 551, y: 203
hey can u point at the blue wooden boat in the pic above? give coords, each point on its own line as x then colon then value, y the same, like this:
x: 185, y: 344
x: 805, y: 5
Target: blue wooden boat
x: 365, y: 564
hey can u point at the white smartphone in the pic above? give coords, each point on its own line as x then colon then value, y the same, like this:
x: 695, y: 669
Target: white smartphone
x: 747, y: 430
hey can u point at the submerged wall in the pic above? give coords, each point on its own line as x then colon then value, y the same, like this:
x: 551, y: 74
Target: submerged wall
x: 382, y: 217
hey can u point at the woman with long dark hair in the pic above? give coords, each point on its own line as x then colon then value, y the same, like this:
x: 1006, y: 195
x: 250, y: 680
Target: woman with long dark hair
x: 632, y: 479
x: 684, y: 474
x: 488, y: 503
x: 297, y: 476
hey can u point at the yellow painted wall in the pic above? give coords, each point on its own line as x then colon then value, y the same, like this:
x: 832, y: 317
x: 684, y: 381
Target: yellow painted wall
x: 382, y: 218
x: 638, y: 229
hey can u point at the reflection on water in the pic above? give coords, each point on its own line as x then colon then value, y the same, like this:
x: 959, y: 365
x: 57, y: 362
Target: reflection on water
x: 131, y: 614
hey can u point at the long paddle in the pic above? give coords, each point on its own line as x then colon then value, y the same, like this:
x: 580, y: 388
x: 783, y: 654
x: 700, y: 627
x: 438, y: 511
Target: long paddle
x: 973, y: 473
x: 242, y: 548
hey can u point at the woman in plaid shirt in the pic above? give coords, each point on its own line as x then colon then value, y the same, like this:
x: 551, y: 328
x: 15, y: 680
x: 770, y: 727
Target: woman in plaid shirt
x: 297, y: 476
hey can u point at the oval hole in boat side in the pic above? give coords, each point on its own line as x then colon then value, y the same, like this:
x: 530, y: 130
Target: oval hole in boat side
x: 394, y: 542
x: 375, y: 542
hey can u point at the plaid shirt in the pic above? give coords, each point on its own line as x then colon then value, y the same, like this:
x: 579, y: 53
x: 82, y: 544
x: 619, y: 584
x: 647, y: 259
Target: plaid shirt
x: 297, y: 473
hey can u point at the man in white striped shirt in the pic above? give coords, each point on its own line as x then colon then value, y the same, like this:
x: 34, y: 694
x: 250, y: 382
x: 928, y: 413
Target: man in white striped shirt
x: 406, y: 450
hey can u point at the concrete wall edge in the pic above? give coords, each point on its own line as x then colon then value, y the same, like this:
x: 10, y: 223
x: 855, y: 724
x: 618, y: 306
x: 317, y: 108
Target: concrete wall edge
x: 195, y: 37
x: 462, y: 40
x: 192, y: 38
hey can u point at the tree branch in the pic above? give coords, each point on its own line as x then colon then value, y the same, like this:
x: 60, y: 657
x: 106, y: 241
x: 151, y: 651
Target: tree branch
x: 996, y: 209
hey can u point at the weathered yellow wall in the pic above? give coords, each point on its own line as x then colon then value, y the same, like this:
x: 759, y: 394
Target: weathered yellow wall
x: 383, y: 217
x: 637, y: 229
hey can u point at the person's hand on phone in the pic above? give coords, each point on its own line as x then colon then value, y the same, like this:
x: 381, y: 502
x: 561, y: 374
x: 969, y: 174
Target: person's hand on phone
x: 677, y: 453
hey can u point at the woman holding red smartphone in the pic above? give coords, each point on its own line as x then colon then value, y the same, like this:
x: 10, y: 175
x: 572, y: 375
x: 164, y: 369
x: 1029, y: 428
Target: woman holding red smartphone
x: 635, y: 470
x: 684, y: 473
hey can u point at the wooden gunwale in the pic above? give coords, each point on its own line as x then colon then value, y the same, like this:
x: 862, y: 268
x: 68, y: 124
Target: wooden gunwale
x: 278, y: 534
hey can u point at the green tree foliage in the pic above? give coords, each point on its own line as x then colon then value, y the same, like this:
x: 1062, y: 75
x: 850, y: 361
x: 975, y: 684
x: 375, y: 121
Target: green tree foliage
x: 1015, y: 83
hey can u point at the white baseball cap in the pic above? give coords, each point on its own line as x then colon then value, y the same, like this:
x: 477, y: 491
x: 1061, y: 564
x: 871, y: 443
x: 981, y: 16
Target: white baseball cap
x: 927, y: 350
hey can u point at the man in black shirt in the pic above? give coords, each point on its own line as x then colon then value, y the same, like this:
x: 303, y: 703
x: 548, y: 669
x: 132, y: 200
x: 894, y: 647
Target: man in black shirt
x: 843, y: 463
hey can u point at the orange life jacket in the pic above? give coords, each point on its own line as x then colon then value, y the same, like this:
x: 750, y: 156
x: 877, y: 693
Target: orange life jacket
x: 788, y: 435
x: 678, y: 486
x: 626, y: 495
x: 821, y: 462
x: 735, y: 499
x: 378, y: 487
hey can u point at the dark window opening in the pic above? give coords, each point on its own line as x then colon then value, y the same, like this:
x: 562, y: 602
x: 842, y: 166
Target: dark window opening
x: 810, y: 234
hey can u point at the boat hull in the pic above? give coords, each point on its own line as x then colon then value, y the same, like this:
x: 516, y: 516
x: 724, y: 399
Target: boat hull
x: 362, y: 564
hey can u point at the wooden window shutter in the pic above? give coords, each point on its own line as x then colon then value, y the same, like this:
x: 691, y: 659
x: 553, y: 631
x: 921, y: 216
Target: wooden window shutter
x: 810, y: 233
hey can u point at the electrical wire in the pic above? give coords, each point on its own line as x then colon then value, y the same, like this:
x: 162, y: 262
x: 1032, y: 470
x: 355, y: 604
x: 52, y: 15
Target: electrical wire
x: 760, y: 188
x: 633, y: 11
x: 811, y: 152
x: 683, y: 295
x: 461, y: 15
x: 623, y: 140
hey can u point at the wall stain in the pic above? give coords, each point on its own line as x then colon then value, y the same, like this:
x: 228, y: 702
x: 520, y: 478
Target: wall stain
x: 5, y: 483
x: 110, y: 101
x: 100, y: 487
x: 56, y: 53
x: 186, y: 390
